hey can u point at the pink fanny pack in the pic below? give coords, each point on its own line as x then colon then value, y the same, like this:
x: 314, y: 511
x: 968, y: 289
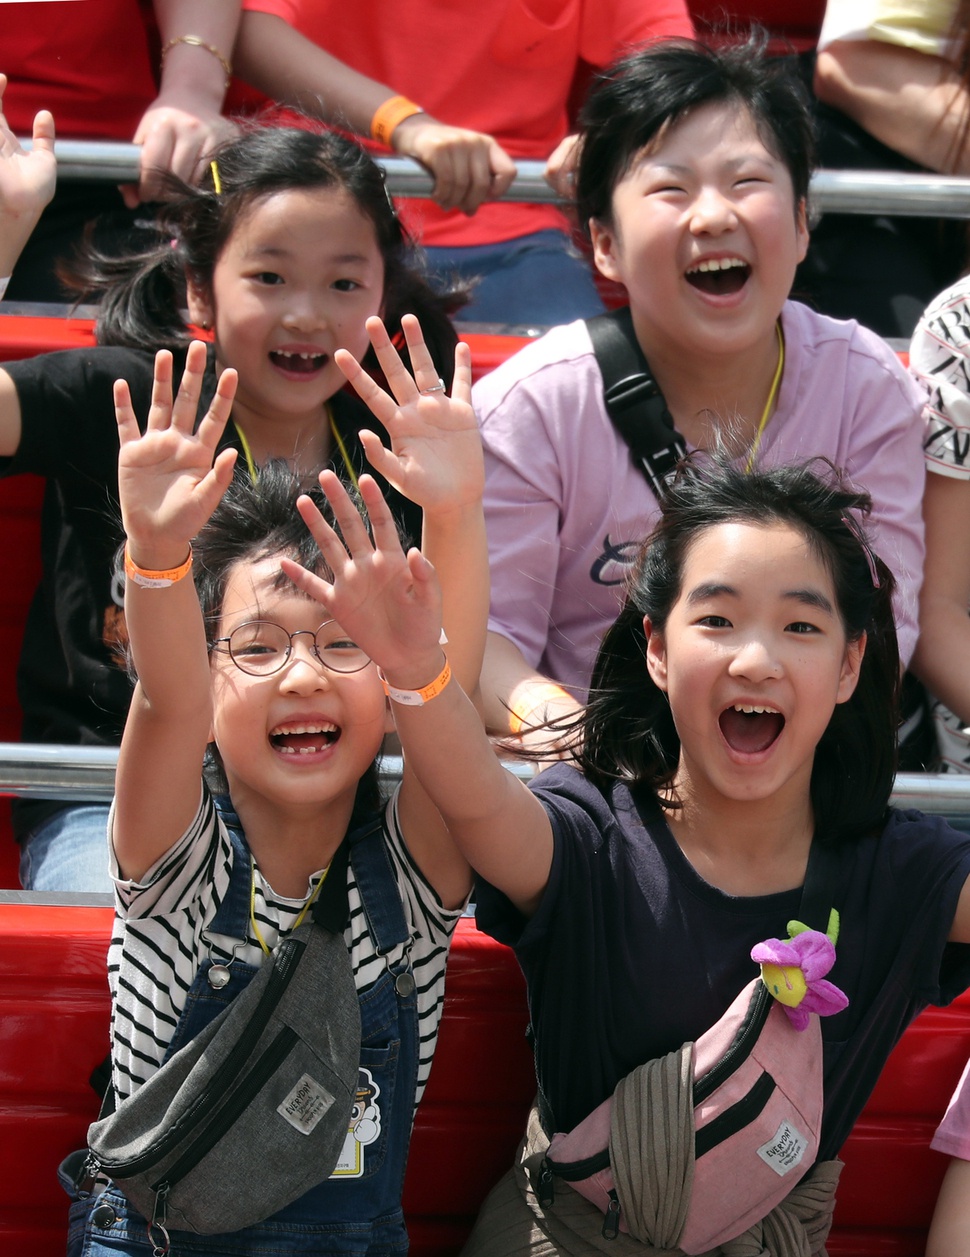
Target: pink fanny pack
x: 757, y: 1105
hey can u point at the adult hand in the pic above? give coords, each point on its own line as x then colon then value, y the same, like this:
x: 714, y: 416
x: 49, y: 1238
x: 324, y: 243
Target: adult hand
x: 560, y: 171
x: 468, y: 166
x: 175, y: 135
x: 27, y: 182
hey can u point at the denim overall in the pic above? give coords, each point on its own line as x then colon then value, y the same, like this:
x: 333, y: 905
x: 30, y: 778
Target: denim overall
x: 350, y: 1214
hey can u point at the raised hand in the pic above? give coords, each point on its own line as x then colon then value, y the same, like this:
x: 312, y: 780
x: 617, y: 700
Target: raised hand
x: 435, y: 457
x: 27, y: 182
x: 389, y: 602
x: 168, y: 483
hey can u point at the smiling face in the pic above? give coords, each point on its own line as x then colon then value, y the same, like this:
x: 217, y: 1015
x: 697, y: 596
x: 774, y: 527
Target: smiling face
x: 705, y: 235
x: 753, y: 659
x: 298, y: 277
x: 303, y: 735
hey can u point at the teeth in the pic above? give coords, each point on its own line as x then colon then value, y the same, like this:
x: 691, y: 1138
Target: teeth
x: 716, y: 264
x: 752, y: 710
x: 322, y: 728
x: 306, y: 357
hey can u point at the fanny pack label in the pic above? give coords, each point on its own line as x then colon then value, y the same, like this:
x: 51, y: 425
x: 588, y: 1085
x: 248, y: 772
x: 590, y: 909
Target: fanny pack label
x: 305, y: 1105
x: 785, y: 1151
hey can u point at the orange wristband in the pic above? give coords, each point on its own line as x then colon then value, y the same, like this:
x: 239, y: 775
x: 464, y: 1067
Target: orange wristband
x: 390, y: 115
x: 519, y: 716
x: 417, y: 698
x: 155, y: 580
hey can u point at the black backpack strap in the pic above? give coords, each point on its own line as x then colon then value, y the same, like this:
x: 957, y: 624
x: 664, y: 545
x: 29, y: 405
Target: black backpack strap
x: 634, y: 401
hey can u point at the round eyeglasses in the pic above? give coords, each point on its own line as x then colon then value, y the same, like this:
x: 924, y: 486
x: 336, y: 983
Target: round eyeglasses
x: 261, y: 648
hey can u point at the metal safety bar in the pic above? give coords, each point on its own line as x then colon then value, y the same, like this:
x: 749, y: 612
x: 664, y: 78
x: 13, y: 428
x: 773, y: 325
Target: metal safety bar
x: 87, y: 773
x: 833, y: 191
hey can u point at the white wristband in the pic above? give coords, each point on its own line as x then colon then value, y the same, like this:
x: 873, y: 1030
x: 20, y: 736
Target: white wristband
x: 4, y: 281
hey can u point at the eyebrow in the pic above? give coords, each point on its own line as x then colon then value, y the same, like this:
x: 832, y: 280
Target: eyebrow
x: 805, y: 597
x: 277, y: 251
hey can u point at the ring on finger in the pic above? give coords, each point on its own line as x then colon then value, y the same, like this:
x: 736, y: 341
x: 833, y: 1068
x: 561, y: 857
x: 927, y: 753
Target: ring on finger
x: 435, y: 388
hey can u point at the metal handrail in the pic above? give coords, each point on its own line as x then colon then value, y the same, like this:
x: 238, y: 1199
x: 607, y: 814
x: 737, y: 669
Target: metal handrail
x: 832, y: 191
x: 87, y: 773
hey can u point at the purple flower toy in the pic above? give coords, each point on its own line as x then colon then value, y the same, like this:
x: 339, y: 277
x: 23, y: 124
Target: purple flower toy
x: 794, y: 970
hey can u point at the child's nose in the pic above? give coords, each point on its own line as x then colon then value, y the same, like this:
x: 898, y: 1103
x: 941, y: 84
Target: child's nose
x: 712, y: 212
x: 306, y: 311
x: 756, y: 660
x: 303, y: 671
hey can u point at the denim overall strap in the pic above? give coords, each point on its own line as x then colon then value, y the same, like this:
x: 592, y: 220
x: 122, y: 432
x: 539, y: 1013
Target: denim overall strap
x: 204, y: 1001
x: 378, y: 889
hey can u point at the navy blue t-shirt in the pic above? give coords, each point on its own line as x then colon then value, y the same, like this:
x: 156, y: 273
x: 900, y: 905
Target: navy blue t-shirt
x: 631, y: 953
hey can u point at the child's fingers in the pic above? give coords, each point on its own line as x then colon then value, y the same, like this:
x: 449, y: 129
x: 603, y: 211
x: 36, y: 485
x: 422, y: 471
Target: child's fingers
x: 426, y: 378
x: 383, y: 526
x: 128, y: 429
x: 370, y: 393
x: 352, y: 528
x: 217, y: 416
x: 186, y: 408
x: 159, y: 411
x: 461, y: 388
x: 311, y: 584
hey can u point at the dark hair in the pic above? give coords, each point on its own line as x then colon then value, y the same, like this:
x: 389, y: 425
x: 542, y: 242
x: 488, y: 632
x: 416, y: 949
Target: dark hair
x: 257, y: 519
x: 633, y: 101
x: 142, y: 293
x: 628, y: 730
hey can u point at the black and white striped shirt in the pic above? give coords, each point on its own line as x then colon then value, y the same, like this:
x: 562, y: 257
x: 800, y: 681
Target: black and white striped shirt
x: 160, y: 938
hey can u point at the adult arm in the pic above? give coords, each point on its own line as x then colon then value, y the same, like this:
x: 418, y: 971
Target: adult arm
x: 942, y: 658
x: 514, y: 695
x: 184, y: 123
x: 912, y: 101
x: 950, y: 1229
x: 468, y: 166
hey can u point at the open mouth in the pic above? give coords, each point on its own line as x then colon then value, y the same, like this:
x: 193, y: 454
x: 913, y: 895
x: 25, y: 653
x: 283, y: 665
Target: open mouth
x: 298, y: 364
x: 303, y: 739
x: 749, y: 729
x: 719, y: 277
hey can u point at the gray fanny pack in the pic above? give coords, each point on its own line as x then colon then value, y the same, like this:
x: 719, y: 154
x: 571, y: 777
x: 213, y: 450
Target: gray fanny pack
x: 274, y: 1075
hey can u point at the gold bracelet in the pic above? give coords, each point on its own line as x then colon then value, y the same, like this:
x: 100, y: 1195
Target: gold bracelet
x: 519, y: 716
x: 195, y: 42
x: 148, y: 579
x: 390, y: 115
x: 417, y: 698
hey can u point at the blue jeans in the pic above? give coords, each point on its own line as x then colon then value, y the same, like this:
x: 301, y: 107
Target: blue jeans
x: 68, y: 851
x: 538, y: 279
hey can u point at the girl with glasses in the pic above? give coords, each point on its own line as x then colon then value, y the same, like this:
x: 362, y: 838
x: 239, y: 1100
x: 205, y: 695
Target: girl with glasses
x: 293, y: 714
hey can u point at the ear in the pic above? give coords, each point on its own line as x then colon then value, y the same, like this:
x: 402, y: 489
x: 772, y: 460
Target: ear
x: 656, y: 655
x: 199, y: 300
x: 801, y: 229
x: 851, y: 666
x: 605, y: 249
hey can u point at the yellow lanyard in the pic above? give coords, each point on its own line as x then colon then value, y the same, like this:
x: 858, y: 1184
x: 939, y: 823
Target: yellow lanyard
x: 257, y: 933
x: 338, y: 441
x: 772, y: 396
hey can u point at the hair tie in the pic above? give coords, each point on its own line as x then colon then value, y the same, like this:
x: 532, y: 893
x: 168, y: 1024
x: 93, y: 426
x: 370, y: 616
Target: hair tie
x: 216, y: 181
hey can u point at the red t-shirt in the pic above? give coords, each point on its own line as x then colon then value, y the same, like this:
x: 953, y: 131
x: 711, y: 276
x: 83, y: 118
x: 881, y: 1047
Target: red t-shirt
x: 87, y: 61
x: 504, y: 67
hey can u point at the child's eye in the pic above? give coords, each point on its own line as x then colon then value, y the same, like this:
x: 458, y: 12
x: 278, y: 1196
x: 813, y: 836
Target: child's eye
x: 346, y: 285
x: 803, y: 626
x: 268, y: 277
x: 341, y: 643
x: 252, y: 650
x: 714, y: 621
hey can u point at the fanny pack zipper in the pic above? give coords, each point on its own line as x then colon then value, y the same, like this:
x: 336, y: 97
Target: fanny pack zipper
x: 739, y: 1049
